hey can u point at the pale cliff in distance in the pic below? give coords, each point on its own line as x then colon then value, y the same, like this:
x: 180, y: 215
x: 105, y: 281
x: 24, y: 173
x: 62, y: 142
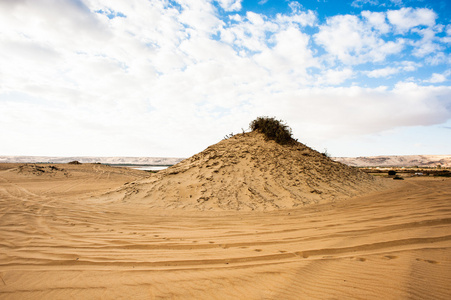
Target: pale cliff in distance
x: 153, y: 161
x: 430, y: 161
x: 364, y: 161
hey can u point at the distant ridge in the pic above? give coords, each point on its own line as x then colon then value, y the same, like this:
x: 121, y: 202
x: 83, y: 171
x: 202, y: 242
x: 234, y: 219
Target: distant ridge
x: 363, y: 161
x: 154, y: 161
x: 397, y: 161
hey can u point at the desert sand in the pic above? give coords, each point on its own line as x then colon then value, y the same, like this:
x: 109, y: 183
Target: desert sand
x: 95, y: 232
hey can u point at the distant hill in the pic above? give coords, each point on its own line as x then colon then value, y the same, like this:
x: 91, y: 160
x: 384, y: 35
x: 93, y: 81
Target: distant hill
x: 397, y: 161
x: 155, y: 161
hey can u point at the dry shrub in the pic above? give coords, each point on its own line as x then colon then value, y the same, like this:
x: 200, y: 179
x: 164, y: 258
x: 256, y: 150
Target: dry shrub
x: 273, y: 129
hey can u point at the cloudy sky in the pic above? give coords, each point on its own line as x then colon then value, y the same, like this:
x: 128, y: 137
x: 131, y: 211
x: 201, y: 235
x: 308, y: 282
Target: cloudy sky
x: 169, y: 78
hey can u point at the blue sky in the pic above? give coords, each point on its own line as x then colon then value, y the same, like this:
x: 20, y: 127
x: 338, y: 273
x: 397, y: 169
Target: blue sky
x: 170, y: 78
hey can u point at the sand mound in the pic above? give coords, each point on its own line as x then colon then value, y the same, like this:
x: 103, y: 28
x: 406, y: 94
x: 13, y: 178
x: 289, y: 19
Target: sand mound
x: 41, y: 170
x: 249, y: 172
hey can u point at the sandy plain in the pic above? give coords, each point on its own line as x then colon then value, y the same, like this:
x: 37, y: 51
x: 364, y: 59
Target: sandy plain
x: 60, y: 238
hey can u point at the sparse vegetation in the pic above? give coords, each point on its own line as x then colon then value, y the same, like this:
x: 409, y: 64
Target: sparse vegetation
x: 273, y: 129
x: 444, y: 173
x: 325, y: 153
x: 407, y: 172
x: 228, y: 136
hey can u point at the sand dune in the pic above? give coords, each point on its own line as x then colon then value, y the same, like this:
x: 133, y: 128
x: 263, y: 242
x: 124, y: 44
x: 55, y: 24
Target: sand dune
x: 248, y: 172
x: 62, y: 239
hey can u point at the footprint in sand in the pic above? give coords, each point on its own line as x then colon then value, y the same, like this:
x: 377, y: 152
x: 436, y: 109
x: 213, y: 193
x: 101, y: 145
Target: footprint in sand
x: 390, y: 256
x: 431, y: 261
x: 428, y: 261
x: 361, y: 259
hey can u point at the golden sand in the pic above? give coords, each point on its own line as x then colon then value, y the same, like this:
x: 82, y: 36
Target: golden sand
x: 63, y: 237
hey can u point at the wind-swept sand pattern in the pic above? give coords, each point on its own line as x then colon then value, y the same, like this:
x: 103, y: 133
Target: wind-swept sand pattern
x: 61, y: 240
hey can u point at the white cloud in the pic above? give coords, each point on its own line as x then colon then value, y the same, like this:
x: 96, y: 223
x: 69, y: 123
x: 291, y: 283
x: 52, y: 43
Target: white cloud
x: 360, y: 3
x: 230, y: 5
x: 377, y: 20
x: 249, y: 33
x: 335, y: 77
x: 447, y: 38
x: 352, y: 41
x: 407, y: 18
x: 199, y: 16
x: 437, y: 78
x: 351, y: 111
x: 255, y: 19
x: 53, y: 24
x: 355, y: 40
x: 438, y: 59
x: 290, y: 53
x: 385, y: 72
x: 253, y: 32
x: 143, y: 77
x: 410, y: 66
x: 428, y: 43
x: 397, y: 2
x: 298, y: 17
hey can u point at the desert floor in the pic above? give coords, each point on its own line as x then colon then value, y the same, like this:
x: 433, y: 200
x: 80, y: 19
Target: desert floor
x: 60, y: 240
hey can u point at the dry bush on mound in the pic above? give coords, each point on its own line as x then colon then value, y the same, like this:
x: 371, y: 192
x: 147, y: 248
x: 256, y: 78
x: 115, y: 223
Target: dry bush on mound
x: 273, y: 129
